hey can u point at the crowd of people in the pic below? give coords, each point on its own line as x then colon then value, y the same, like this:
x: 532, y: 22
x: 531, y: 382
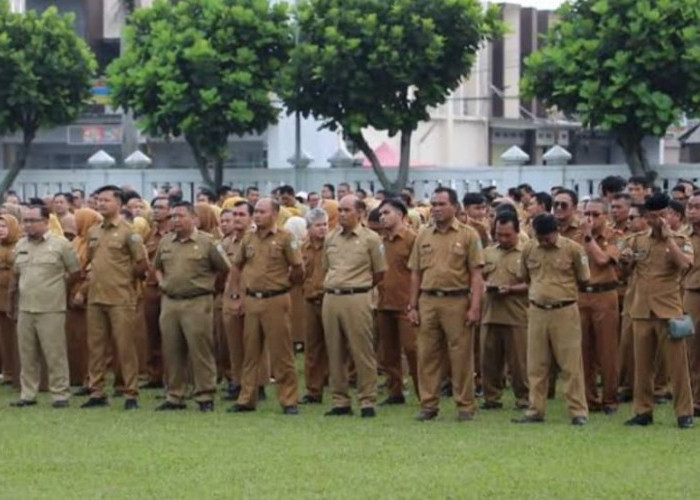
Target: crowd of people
x: 461, y: 298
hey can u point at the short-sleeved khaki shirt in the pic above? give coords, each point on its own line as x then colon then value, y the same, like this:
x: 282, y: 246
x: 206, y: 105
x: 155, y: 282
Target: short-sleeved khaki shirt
x: 445, y: 259
x: 190, y: 266
x: 395, y: 289
x: 313, y: 269
x: 656, y: 276
x: 554, y: 273
x: 266, y: 256
x: 42, y: 268
x: 692, y: 279
x: 501, y: 269
x: 231, y: 244
x: 113, y: 251
x: 608, y: 273
x: 351, y: 259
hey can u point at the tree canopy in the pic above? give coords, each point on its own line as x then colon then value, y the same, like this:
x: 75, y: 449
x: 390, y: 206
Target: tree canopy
x: 626, y: 66
x: 203, y: 70
x: 45, y: 76
x: 382, y: 64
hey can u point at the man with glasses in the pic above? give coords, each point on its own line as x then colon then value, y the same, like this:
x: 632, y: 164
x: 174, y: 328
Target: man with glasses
x: 565, y: 203
x: 619, y: 210
x: 43, y: 261
x: 599, y: 309
x: 161, y: 226
x: 657, y: 259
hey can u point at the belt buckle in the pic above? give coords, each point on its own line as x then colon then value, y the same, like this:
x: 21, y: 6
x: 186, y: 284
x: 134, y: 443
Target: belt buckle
x: 589, y: 289
x: 548, y: 306
x: 440, y: 293
x: 259, y: 295
x: 336, y: 291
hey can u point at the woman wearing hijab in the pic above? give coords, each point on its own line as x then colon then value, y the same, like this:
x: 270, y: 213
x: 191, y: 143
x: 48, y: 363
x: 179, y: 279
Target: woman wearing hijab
x: 9, y: 234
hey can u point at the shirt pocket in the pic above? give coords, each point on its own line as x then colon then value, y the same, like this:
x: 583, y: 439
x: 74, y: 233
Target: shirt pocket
x: 426, y: 257
x: 22, y: 260
x: 489, y: 268
x: 458, y: 255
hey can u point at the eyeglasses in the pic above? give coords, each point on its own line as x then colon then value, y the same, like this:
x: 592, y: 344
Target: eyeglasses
x: 561, y: 204
x: 595, y: 215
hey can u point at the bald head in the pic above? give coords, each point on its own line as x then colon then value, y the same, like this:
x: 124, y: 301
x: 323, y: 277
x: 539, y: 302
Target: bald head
x: 265, y: 214
x: 349, y: 211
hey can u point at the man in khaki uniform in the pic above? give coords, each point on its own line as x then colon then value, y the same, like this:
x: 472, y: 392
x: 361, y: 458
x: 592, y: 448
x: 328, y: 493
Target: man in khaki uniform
x: 41, y: 265
x: 565, y: 203
x: 504, y: 321
x: 268, y: 261
x: 658, y: 258
x: 118, y: 259
x: 599, y: 308
x: 691, y: 298
x: 554, y: 267
x: 152, y: 296
x: 446, y: 291
x: 353, y: 260
x: 396, y: 333
x: 188, y: 262
x: 315, y: 351
x: 235, y: 223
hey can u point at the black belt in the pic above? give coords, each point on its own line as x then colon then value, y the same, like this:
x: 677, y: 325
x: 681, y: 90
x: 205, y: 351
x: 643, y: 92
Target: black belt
x: 556, y: 305
x: 694, y: 290
x: 187, y: 296
x: 603, y: 287
x: 347, y: 291
x: 446, y: 293
x: 266, y: 294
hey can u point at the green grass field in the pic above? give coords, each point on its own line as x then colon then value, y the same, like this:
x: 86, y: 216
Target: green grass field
x: 107, y: 453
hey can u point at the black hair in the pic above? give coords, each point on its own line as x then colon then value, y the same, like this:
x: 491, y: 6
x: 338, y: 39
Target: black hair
x: 185, y: 204
x: 395, y: 203
x: 38, y: 202
x: 657, y: 201
x: 544, y: 224
x: 544, y: 199
x: 373, y: 215
x: 44, y: 211
x: 473, y: 199
x: 451, y: 194
x: 527, y: 188
x: 331, y: 188
x: 157, y: 198
x: 623, y: 196
x: 251, y: 188
x: 222, y: 191
x: 677, y: 207
x: 130, y: 195
x: 572, y: 194
x: 640, y: 208
x: 639, y: 179
x: 68, y: 196
x: 286, y: 189
x: 211, y: 196
x: 612, y: 184
x: 678, y: 188
x: 115, y: 190
x: 240, y: 203
x: 506, y: 216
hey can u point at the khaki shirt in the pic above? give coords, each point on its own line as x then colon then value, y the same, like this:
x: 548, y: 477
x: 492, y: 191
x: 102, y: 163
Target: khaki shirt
x: 313, y: 270
x: 350, y: 260
x: 231, y: 244
x: 656, y: 276
x: 501, y: 269
x: 190, y: 267
x: 574, y: 231
x: 395, y: 289
x: 692, y: 279
x: 152, y: 243
x: 607, y: 241
x: 445, y: 259
x: 42, y: 267
x: 266, y: 257
x: 554, y: 273
x: 113, y: 251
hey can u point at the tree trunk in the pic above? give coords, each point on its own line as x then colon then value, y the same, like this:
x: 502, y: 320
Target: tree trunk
x: 218, y: 173
x: 202, y: 162
x: 20, y: 161
x: 635, y: 156
x: 361, y: 143
x: 404, y: 162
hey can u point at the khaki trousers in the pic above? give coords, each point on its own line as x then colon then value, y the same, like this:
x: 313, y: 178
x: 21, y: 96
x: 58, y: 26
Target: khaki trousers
x: 221, y: 354
x: 43, y: 333
x: 501, y: 345
x: 600, y: 323
x: 555, y: 333
x: 443, y: 329
x: 651, y: 339
x: 188, y: 342
x: 154, y: 359
x: 112, y: 324
x: 347, y: 324
x: 315, y: 352
x: 626, y: 355
x: 141, y: 337
x: 233, y: 326
x: 76, y: 335
x: 9, y: 349
x: 691, y: 304
x: 267, y: 323
x: 397, y: 334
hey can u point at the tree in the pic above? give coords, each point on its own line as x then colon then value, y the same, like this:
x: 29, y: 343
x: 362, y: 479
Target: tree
x: 626, y: 66
x: 382, y: 64
x: 45, y: 76
x: 203, y: 70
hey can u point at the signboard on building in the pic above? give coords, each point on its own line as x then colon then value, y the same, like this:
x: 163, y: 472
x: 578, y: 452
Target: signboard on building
x: 94, y: 134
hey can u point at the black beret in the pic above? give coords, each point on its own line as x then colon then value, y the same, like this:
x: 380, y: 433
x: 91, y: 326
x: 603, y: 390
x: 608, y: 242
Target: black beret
x: 657, y: 201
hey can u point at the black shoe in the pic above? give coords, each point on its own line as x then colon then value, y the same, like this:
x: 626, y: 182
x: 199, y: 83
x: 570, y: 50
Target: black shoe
x: 579, y: 421
x: 368, y: 412
x: 311, y: 400
x: 95, y: 403
x: 61, y: 403
x: 479, y: 392
x: 338, y: 411
x: 491, y: 405
x: 206, y: 406
x: 642, y: 420
x: 685, y: 422
x: 609, y: 410
x: 232, y: 393
x: 528, y: 419
x: 394, y: 400
x: 625, y: 397
x: 261, y: 393
x: 83, y: 391
x: 290, y: 410
x: 21, y: 403
x: 465, y: 416
x: 446, y: 391
x: 169, y: 406
x: 240, y: 409
x: 131, y: 404
x: 154, y: 384
x: 425, y: 416
x: 696, y: 412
